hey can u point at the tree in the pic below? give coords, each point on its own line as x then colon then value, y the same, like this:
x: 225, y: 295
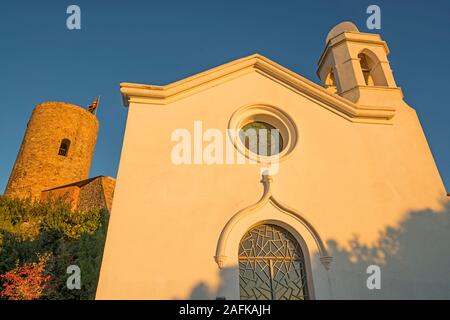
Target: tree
x: 26, y: 282
x: 29, y: 228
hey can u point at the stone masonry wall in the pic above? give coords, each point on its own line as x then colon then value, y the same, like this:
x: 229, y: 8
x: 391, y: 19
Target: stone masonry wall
x: 38, y: 165
x: 97, y: 194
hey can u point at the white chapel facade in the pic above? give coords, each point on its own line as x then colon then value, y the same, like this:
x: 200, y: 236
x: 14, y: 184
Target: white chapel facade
x: 351, y: 159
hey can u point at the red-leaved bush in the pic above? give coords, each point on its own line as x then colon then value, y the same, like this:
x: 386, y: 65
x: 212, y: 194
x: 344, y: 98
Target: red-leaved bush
x: 25, y: 282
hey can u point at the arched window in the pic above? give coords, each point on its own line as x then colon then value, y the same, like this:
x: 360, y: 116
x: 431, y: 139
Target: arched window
x: 371, y: 70
x: 330, y: 82
x: 330, y: 79
x: 366, y: 64
x: 64, y: 147
x: 271, y: 265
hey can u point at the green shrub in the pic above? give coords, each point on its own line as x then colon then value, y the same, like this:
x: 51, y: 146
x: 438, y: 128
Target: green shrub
x: 29, y: 229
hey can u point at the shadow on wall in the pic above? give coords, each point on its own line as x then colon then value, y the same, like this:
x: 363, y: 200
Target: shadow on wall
x: 203, y: 292
x: 414, y: 260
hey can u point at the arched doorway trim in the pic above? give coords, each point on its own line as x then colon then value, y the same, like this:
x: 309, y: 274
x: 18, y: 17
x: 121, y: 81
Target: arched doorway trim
x: 267, y: 197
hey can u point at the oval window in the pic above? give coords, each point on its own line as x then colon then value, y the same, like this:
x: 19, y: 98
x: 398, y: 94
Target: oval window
x: 262, y: 133
x: 261, y: 138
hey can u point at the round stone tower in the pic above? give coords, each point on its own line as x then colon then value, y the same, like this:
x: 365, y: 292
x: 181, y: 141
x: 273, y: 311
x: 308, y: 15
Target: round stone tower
x: 57, y: 149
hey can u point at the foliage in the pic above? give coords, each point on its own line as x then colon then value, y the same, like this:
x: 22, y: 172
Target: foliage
x: 25, y: 218
x: 29, y: 229
x: 26, y: 282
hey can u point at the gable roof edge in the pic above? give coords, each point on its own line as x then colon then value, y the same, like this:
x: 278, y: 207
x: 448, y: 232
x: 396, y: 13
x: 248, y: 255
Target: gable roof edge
x: 161, y: 95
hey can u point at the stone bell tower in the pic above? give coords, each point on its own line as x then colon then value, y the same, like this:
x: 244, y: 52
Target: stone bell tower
x: 354, y: 65
x: 57, y: 149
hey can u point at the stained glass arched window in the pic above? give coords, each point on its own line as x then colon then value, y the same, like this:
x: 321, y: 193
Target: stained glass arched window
x: 271, y: 265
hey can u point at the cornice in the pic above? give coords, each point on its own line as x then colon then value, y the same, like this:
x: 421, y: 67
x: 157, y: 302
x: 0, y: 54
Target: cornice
x: 162, y: 95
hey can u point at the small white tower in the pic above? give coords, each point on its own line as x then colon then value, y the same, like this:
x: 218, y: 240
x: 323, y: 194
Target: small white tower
x: 354, y: 65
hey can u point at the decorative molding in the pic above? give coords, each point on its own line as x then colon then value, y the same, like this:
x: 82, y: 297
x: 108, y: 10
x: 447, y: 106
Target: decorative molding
x: 271, y: 115
x: 162, y: 95
x: 326, y: 261
x: 382, y: 90
x: 220, y: 260
x: 267, y: 197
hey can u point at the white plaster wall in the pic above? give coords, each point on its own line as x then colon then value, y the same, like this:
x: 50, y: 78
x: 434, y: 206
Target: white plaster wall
x: 345, y: 178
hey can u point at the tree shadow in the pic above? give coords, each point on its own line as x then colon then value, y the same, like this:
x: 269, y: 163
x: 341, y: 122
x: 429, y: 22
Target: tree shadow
x: 414, y: 259
x: 204, y: 292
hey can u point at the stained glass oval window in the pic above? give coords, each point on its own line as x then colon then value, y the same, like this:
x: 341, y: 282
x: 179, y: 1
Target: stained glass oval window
x: 261, y: 138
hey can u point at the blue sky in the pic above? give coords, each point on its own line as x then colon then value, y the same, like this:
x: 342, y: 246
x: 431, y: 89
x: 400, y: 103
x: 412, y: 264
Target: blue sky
x: 158, y: 42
